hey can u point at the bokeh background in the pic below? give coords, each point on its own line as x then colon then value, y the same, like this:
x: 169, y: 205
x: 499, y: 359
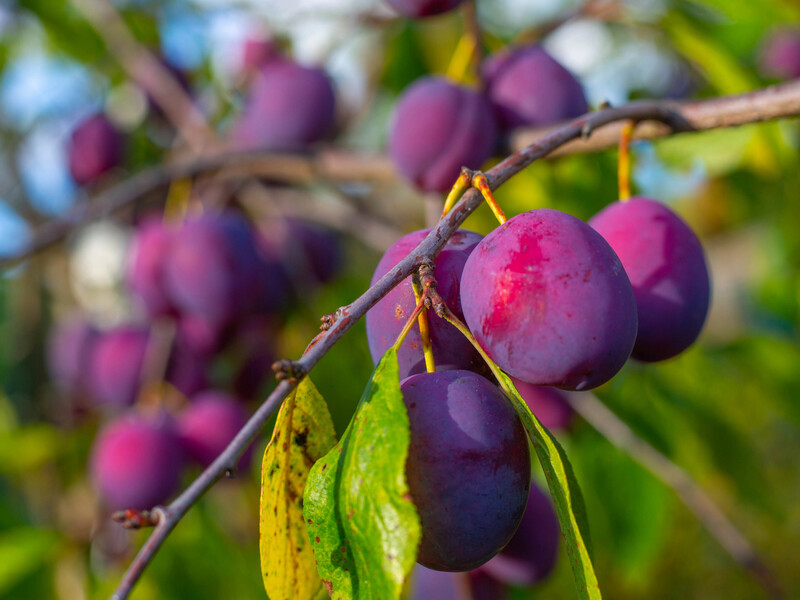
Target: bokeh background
x: 727, y: 410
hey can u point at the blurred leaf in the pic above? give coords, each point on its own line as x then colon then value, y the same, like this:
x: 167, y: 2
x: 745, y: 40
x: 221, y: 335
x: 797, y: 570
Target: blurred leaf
x: 566, y: 495
x: 360, y: 519
x: 303, y: 433
x: 26, y: 449
x: 22, y: 551
x: 404, y: 61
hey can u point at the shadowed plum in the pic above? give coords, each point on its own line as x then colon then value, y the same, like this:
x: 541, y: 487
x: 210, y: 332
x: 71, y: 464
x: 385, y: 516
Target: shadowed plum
x: 528, y: 87
x: 531, y: 554
x: 145, y: 267
x: 437, y: 128
x: 289, y: 107
x: 423, y: 8
x: 69, y: 347
x: 468, y: 467
x: 209, y: 424
x: 427, y: 584
x: 549, y: 301
x: 94, y: 148
x: 547, y: 403
x: 779, y: 56
x: 667, y: 269
x: 385, y: 320
x: 136, y: 462
x: 214, y: 269
x: 115, y: 365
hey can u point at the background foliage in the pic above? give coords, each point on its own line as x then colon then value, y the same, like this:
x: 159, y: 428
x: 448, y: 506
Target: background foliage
x: 727, y: 411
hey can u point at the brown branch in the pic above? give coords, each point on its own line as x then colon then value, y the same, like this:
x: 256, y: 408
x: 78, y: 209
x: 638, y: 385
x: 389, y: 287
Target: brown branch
x: 693, y: 496
x: 775, y: 102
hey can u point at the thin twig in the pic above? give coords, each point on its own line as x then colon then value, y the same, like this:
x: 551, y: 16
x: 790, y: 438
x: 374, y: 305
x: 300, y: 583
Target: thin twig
x: 347, y: 316
x: 599, y: 416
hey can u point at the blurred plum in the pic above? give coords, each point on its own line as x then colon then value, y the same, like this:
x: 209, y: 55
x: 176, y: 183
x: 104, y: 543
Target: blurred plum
x: 69, y: 347
x: 94, y: 148
x: 209, y: 424
x: 779, y: 57
x: 115, y: 365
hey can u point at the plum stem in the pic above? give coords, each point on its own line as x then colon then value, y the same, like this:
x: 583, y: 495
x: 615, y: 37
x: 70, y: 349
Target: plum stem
x: 460, y: 62
x: 461, y: 185
x: 479, y: 181
x: 424, y: 328
x: 624, y: 164
x: 177, y: 204
x: 409, y: 324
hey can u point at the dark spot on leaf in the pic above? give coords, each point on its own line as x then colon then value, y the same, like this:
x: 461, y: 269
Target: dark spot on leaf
x: 316, y: 539
x: 328, y: 586
x: 301, y: 437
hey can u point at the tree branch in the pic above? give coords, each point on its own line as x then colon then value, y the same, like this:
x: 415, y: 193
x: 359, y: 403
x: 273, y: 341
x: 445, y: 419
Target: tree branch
x: 656, y: 118
x: 599, y: 416
x: 346, y: 316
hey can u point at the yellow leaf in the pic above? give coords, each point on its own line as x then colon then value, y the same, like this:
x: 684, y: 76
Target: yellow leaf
x: 303, y: 433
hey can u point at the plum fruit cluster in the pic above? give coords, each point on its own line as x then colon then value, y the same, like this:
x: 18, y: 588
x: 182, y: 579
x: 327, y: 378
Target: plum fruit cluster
x: 439, y: 126
x: 556, y: 303
x: 221, y: 285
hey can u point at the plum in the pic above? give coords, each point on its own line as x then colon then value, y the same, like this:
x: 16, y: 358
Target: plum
x: 527, y: 88
x: 209, y: 424
x: 136, y: 462
x: 547, y: 403
x: 423, y: 8
x: 427, y: 584
x: 145, y: 267
x: 779, y: 56
x: 69, y: 347
x: 468, y: 467
x: 437, y: 128
x: 531, y: 554
x: 115, y: 365
x: 289, y: 107
x: 547, y: 298
x: 386, y: 319
x: 667, y: 269
x: 95, y: 147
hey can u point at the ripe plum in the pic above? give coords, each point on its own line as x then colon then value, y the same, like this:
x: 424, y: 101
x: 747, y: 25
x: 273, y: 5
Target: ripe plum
x: 468, y: 467
x: 549, y: 301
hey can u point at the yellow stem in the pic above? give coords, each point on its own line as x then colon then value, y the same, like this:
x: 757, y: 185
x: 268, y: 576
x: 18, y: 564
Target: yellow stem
x: 409, y: 324
x: 479, y: 181
x: 177, y: 203
x: 459, y: 66
x: 424, y: 331
x: 463, y: 183
x: 624, y: 164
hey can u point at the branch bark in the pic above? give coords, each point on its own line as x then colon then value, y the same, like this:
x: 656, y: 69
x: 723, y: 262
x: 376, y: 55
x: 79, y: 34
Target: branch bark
x: 346, y: 316
x: 656, y: 118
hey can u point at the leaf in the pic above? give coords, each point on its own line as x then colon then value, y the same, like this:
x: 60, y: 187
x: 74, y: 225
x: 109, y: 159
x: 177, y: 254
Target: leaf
x: 565, y: 492
x: 303, y: 433
x: 360, y: 519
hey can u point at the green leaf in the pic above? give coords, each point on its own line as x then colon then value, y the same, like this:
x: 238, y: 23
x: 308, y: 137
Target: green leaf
x: 565, y: 492
x: 303, y: 433
x: 360, y: 519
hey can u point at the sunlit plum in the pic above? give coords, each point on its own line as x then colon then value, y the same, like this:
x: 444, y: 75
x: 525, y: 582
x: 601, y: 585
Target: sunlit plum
x: 386, y: 319
x: 209, y: 424
x: 145, y: 267
x: 69, y: 347
x: 667, y: 269
x: 289, y: 107
x: 547, y: 403
x: 95, y: 147
x: 439, y: 127
x: 423, y: 8
x: 528, y: 87
x: 136, y: 462
x: 531, y: 554
x: 549, y: 301
x: 115, y: 365
x: 468, y: 467
x: 779, y: 57
x: 213, y: 268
